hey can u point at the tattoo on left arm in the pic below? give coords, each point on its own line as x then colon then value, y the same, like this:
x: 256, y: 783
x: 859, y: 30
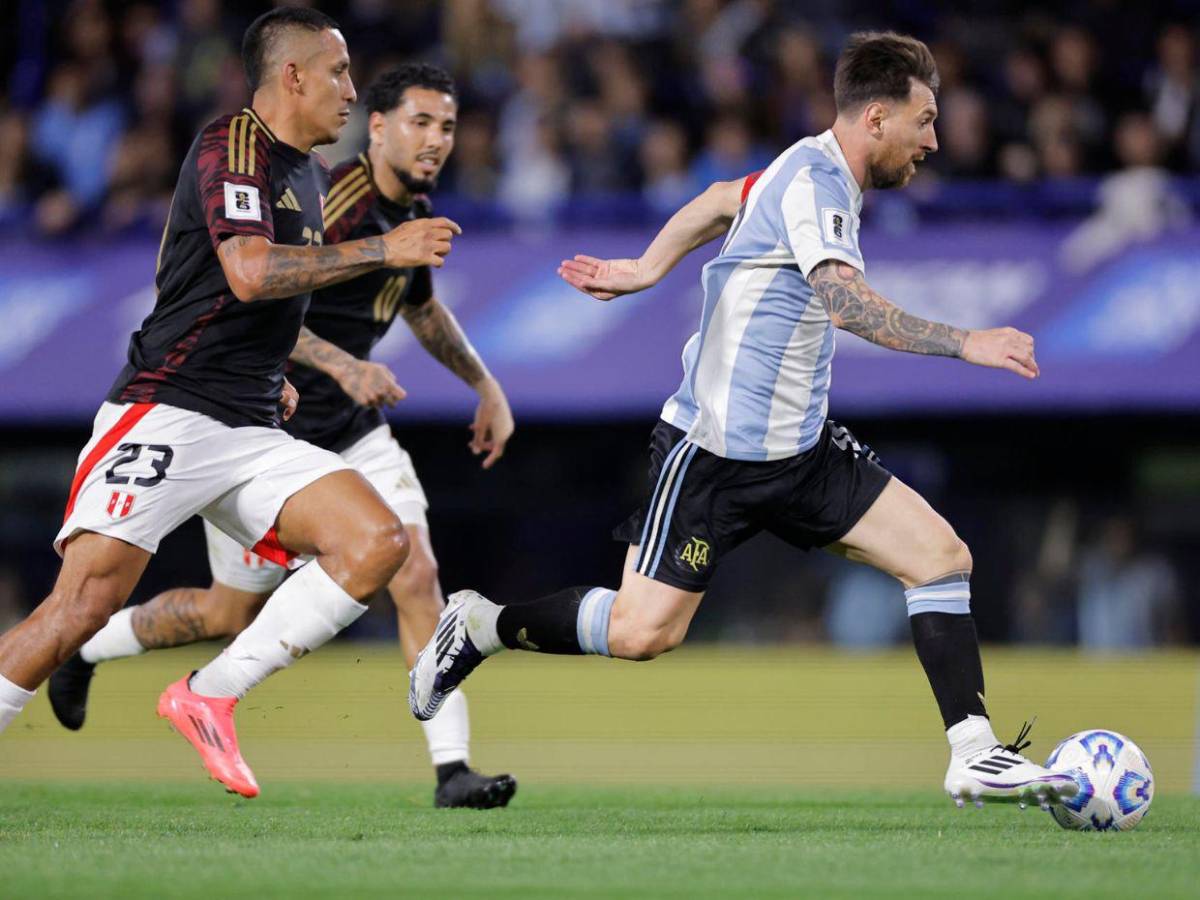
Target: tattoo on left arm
x: 319, y: 353
x: 441, y: 335
x: 855, y: 307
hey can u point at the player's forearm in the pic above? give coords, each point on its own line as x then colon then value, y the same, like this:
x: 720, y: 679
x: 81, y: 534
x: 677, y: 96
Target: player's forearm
x: 259, y: 270
x: 855, y: 307
x: 443, y: 338
x: 320, y: 354
x: 706, y: 217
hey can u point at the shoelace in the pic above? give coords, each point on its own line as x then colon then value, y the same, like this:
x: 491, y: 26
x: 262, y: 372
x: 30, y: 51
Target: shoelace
x: 1021, y: 743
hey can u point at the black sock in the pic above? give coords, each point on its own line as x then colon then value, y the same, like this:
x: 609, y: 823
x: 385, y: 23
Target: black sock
x: 547, y: 625
x: 949, y: 651
x: 446, y: 771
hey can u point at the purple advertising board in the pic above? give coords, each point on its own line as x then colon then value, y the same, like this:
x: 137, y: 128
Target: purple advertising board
x: 1122, y: 333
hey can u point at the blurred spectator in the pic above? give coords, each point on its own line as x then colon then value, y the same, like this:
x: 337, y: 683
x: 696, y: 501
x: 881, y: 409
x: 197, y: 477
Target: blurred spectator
x: 800, y: 101
x: 667, y: 182
x: 208, y: 60
x: 1173, y: 91
x: 74, y: 133
x: 1044, y: 593
x: 964, y: 141
x: 610, y: 92
x: 538, y: 180
x: 474, y: 174
x: 1136, y: 204
x: 729, y: 152
x: 1128, y: 597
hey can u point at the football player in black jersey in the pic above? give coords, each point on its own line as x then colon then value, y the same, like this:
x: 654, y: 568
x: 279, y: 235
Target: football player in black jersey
x: 413, y: 110
x: 191, y: 424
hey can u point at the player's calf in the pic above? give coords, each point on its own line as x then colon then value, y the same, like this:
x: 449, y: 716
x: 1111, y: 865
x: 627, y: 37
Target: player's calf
x: 574, y: 621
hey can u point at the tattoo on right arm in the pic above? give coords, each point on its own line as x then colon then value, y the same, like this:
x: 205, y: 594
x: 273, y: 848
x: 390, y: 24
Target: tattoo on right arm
x: 285, y: 270
x: 855, y: 307
x: 170, y: 620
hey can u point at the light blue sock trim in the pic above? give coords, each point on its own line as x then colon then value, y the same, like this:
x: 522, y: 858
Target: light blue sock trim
x: 946, y: 595
x: 591, y: 627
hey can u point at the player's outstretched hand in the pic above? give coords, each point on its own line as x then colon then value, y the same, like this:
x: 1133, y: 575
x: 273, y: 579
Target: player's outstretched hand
x: 493, y: 424
x: 1002, y: 348
x: 370, y: 384
x: 421, y: 242
x: 604, y: 279
x: 289, y: 399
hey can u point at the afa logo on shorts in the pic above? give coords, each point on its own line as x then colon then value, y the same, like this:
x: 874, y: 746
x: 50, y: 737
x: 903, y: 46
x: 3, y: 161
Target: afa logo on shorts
x: 695, y: 553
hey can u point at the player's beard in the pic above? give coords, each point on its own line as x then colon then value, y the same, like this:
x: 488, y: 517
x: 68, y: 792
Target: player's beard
x: 413, y: 184
x: 884, y: 177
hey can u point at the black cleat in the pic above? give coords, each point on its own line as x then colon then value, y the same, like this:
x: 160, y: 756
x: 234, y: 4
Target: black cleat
x: 69, y: 691
x: 470, y: 790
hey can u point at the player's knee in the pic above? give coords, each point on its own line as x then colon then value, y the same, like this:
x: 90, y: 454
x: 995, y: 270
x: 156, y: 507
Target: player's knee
x: 948, y: 553
x: 381, y: 549
x: 957, y: 555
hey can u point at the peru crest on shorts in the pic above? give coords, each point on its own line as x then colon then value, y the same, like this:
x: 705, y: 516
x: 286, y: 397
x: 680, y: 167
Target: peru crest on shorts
x: 120, y: 504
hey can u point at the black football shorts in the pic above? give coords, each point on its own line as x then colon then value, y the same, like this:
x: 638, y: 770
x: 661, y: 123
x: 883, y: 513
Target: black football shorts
x: 702, y: 506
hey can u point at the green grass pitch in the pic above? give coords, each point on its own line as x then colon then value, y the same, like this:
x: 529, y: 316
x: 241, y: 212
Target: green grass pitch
x: 785, y: 772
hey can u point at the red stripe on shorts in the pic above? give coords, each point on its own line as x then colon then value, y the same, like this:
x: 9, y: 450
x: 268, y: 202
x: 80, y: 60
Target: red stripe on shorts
x: 269, y: 548
x: 131, y: 417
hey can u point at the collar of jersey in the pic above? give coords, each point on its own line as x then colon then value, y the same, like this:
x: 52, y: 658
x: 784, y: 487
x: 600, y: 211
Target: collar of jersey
x: 276, y: 143
x: 833, y: 149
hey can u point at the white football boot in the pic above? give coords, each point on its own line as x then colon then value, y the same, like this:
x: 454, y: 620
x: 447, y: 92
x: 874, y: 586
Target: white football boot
x: 1001, y: 774
x: 448, y: 658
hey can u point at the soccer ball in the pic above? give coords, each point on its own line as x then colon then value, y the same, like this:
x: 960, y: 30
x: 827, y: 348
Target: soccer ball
x: 1114, y: 778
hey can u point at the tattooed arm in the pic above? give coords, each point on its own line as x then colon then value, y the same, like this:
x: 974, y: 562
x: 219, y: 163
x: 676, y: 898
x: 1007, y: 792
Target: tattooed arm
x: 260, y: 270
x: 441, y: 335
x: 855, y: 307
x: 366, y: 383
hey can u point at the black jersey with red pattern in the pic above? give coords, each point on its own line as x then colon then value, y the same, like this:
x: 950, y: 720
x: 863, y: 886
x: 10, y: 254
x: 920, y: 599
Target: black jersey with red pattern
x: 201, y: 348
x: 356, y: 314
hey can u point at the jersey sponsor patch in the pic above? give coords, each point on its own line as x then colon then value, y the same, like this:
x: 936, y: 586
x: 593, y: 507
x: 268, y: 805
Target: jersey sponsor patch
x: 836, y: 226
x: 241, y: 202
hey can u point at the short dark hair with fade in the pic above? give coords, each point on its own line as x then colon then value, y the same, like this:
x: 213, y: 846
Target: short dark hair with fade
x: 386, y: 92
x: 880, y: 65
x: 264, y: 32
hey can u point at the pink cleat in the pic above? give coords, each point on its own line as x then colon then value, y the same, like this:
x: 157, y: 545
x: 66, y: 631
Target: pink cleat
x: 207, y: 723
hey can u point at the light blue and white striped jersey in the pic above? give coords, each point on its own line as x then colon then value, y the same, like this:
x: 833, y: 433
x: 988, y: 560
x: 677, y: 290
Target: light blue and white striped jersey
x: 756, y: 375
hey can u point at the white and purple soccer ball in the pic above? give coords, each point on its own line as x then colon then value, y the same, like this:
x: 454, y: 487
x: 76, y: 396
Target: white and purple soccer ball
x: 1116, y: 784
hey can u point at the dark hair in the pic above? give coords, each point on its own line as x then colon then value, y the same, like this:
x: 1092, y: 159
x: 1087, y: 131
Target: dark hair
x: 264, y: 32
x: 880, y: 65
x: 386, y: 92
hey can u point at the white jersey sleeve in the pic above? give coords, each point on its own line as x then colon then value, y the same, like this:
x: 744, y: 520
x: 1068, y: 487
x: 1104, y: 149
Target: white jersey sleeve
x: 821, y: 217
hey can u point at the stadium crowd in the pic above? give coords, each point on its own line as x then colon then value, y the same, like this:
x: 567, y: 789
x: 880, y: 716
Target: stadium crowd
x: 570, y: 99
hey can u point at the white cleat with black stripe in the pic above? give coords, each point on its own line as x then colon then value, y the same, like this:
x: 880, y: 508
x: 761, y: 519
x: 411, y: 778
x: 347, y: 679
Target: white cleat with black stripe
x: 448, y: 658
x: 1002, y: 774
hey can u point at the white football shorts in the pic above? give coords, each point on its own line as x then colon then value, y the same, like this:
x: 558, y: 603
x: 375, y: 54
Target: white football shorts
x: 149, y: 467
x: 386, y: 465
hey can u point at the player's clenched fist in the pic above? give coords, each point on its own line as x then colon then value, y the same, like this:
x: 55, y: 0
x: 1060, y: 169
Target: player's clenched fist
x: 1002, y: 348
x: 421, y: 242
x: 370, y: 384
